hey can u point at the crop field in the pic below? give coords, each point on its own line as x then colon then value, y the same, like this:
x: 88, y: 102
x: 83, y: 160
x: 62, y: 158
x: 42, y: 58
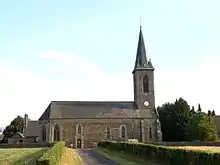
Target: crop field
x: 200, y: 148
x: 20, y: 156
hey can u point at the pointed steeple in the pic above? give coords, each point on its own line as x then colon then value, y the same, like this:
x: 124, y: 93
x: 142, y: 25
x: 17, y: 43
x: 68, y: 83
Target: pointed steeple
x: 141, y: 61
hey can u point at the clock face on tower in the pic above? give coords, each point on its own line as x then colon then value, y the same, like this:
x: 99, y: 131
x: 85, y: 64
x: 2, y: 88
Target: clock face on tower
x: 146, y: 103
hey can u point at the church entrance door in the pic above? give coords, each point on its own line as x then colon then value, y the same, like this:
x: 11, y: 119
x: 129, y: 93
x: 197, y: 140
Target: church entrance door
x: 79, y: 143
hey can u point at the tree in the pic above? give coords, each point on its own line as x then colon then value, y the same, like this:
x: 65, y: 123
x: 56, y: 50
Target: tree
x: 192, y: 110
x: 207, y: 128
x: 180, y: 123
x: 209, y: 113
x: 204, y: 128
x: 16, y: 125
x: 174, y: 118
x: 213, y: 113
x: 166, y: 120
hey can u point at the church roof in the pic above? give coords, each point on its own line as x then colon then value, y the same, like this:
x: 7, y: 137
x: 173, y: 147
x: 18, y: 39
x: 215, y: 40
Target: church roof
x: 33, y: 128
x: 86, y: 109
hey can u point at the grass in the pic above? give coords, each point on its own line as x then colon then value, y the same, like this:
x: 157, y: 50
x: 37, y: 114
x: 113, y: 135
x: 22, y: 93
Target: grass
x: 70, y: 157
x: 20, y: 156
x: 124, y: 159
x: 200, y: 148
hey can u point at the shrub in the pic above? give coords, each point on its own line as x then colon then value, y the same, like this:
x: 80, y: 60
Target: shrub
x: 167, y: 155
x: 53, y: 155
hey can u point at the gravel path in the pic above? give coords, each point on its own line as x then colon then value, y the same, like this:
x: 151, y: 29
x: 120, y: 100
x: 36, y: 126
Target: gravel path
x: 90, y: 157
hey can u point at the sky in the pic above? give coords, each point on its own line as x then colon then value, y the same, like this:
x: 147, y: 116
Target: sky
x: 85, y: 50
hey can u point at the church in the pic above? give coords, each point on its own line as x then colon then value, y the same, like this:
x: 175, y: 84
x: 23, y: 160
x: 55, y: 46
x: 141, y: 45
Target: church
x: 83, y: 123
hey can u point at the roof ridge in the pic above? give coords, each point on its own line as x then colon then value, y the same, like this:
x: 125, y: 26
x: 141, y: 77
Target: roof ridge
x: 97, y: 101
x: 81, y: 109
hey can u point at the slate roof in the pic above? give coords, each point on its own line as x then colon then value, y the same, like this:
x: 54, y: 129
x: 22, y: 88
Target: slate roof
x: 33, y: 129
x: 141, y: 61
x: 86, y: 109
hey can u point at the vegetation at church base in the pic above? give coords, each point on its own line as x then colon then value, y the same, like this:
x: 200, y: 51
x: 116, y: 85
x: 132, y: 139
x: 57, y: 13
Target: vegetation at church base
x: 20, y: 156
x: 122, y: 158
x: 189, y: 124
x: 53, y: 155
x: 165, y: 154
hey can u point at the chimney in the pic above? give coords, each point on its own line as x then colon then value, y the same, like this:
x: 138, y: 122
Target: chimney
x: 25, y: 120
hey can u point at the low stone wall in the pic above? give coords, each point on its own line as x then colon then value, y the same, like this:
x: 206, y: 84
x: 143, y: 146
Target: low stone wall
x: 194, y: 143
x: 23, y: 145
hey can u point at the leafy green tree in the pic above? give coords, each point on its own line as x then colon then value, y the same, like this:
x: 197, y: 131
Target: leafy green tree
x: 166, y: 119
x: 192, y: 130
x: 174, y: 118
x: 192, y: 111
x: 180, y: 123
x: 206, y: 127
x: 16, y: 125
x: 213, y: 113
x: 209, y: 113
x: 201, y: 127
x: 182, y: 110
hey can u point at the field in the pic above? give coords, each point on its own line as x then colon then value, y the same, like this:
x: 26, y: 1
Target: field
x: 200, y: 148
x: 21, y: 156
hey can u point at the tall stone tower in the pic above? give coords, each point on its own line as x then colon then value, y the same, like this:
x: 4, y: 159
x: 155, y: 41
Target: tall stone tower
x: 143, y: 77
x: 144, y: 97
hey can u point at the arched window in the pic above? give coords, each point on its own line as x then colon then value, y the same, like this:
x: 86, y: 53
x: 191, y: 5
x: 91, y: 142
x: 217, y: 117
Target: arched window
x: 145, y: 84
x: 56, y: 136
x: 123, y: 131
x: 108, y: 134
x: 79, y: 129
x: 43, y: 133
x: 150, y: 132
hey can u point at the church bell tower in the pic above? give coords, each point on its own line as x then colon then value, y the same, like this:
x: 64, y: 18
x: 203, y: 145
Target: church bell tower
x: 144, y: 97
x: 143, y: 78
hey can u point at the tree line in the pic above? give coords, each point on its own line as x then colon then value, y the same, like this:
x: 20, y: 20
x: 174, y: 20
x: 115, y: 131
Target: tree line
x: 179, y: 122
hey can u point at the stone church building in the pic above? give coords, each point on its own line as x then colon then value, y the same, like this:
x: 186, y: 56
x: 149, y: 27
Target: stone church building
x: 84, y: 123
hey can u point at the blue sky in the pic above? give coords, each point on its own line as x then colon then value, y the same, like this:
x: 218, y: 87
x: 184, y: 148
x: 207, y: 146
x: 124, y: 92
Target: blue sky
x: 100, y: 37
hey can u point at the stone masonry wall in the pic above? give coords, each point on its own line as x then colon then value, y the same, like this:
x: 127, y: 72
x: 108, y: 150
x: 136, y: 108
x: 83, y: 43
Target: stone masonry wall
x: 94, y: 130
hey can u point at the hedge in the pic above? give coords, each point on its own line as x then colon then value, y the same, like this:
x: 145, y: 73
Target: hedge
x: 167, y: 155
x: 53, y: 155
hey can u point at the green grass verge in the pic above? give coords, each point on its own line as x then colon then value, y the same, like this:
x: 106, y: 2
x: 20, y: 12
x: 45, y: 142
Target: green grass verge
x: 20, y: 156
x: 124, y: 159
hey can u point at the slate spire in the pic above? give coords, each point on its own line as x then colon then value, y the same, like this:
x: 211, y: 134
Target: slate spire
x: 141, y: 61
